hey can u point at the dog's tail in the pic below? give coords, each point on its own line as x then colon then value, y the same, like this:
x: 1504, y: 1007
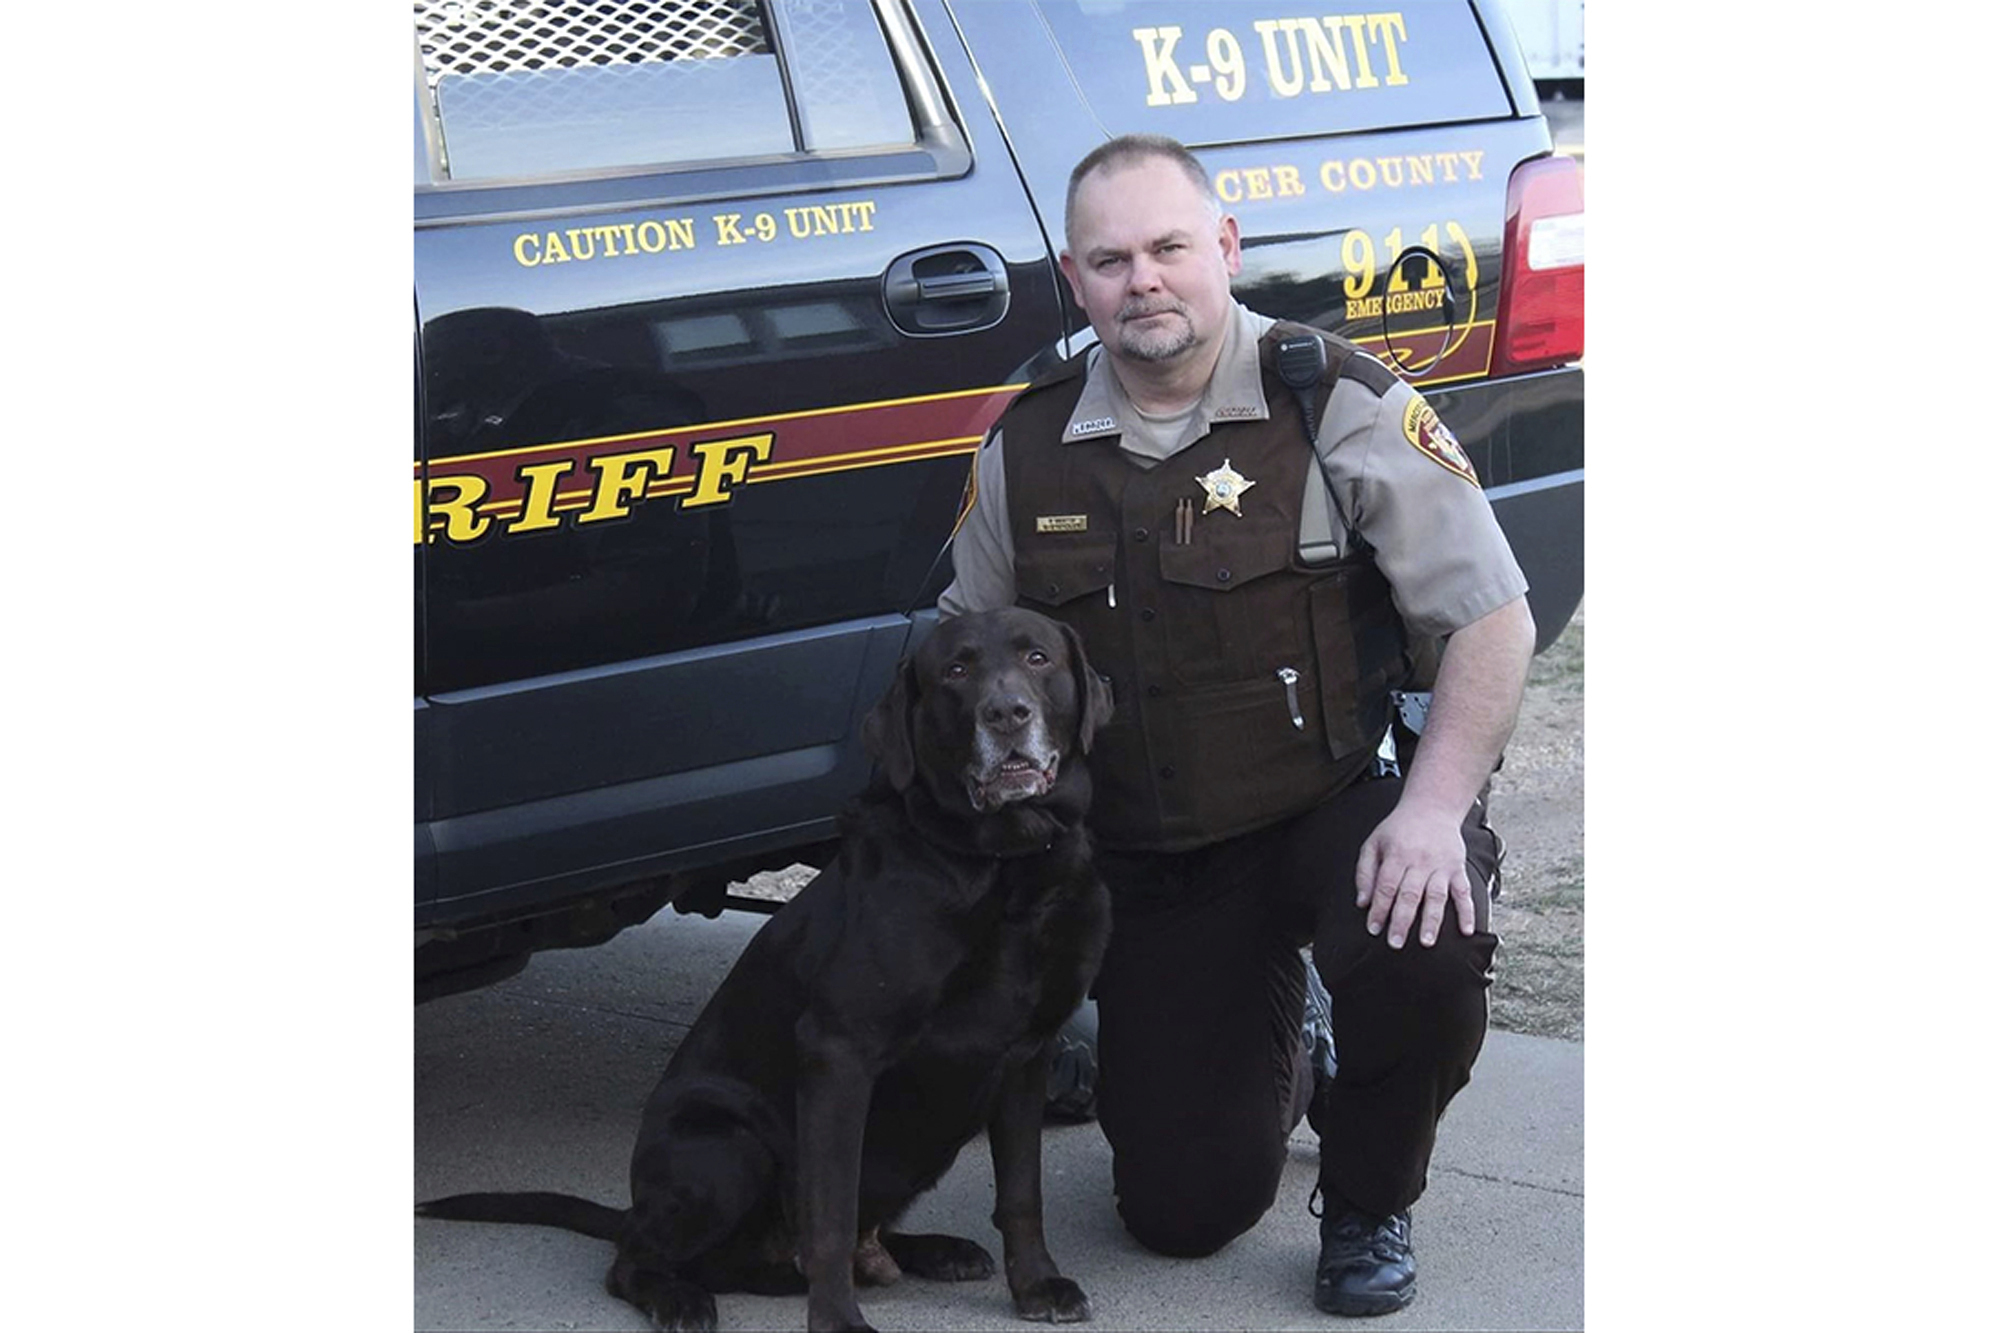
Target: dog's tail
x: 534, y: 1208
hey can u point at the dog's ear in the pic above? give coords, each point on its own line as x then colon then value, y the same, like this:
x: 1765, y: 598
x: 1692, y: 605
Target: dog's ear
x: 1093, y: 692
x: 886, y: 732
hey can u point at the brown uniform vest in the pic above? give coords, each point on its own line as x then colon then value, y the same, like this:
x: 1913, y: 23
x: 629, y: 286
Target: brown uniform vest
x: 1209, y: 738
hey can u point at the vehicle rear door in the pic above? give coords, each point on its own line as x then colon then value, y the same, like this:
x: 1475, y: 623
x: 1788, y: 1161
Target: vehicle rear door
x: 715, y: 301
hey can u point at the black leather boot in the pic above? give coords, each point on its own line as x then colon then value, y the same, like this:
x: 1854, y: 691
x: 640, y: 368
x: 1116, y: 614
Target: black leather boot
x: 1072, y: 1096
x: 1366, y: 1266
x: 1317, y: 1039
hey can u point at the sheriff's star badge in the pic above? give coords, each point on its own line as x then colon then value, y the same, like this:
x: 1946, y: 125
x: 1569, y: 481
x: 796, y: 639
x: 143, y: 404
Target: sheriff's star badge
x: 1225, y: 486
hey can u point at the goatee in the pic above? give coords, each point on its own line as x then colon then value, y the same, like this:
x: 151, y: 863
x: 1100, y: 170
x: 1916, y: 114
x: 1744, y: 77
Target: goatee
x: 1155, y: 344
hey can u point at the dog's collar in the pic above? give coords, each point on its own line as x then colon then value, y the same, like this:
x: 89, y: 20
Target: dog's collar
x: 1036, y: 827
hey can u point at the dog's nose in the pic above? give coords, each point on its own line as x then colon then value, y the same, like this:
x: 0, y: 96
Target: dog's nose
x: 1005, y: 712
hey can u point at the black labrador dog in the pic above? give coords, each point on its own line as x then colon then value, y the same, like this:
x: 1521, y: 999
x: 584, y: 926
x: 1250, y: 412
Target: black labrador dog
x: 907, y: 998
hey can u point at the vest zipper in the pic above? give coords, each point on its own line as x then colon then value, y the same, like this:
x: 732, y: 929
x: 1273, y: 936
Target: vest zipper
x: 1291, y: 679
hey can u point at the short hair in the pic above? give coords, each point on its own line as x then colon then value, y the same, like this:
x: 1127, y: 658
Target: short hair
x: 1130, y: 149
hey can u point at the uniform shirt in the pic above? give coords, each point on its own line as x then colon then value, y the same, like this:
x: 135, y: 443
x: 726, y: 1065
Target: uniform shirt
x: 1434, y: 533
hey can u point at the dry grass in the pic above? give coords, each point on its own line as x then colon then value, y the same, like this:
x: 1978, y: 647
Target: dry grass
x: 1538, y: 809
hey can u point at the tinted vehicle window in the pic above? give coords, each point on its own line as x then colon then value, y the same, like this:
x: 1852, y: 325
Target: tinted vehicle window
x: 1217, y: 74
x: 548, y: 87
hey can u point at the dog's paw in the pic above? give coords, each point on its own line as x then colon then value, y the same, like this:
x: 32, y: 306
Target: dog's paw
x: 1053, y: 1300
x: 674, y: 1304
x: 688, y: 1309
x: 940, y: 1258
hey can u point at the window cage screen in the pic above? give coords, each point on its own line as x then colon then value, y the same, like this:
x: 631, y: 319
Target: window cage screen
x: 471, y: 37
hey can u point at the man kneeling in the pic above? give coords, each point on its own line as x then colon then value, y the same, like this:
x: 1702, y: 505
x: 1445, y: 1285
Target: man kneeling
x: 1252, y: 557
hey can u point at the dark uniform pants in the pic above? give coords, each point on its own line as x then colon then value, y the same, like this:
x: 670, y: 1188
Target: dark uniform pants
x: 1199, y: 1008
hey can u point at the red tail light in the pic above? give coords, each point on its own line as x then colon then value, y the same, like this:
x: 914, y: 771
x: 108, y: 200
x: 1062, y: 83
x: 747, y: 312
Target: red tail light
x: 1541, y: 278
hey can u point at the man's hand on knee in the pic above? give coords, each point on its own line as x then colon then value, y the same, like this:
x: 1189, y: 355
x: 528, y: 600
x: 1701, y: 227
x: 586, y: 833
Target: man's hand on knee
x: 1410, y: 866
x: 1415, y: 860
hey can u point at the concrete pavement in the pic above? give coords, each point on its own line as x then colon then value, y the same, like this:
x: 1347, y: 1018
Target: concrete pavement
x: 537, y: 1084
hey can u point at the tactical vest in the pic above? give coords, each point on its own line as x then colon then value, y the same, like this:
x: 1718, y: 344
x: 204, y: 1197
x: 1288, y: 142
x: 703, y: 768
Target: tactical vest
x: 1247, y: 686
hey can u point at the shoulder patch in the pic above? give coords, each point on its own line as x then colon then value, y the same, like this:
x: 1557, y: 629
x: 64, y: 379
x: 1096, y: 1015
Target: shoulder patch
x: 1422, y: 428
x: 1366, y: 369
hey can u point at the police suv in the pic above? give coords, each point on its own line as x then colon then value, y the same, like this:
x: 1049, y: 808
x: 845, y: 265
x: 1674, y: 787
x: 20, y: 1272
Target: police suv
x: 715, y: 300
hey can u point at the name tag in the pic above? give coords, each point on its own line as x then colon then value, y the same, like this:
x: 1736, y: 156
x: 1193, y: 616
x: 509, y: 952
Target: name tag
x: 1061, y: 522
x: 1091, y: 427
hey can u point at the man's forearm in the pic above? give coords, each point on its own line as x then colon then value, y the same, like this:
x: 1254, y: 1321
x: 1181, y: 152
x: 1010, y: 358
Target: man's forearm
x: 1473, y: 708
